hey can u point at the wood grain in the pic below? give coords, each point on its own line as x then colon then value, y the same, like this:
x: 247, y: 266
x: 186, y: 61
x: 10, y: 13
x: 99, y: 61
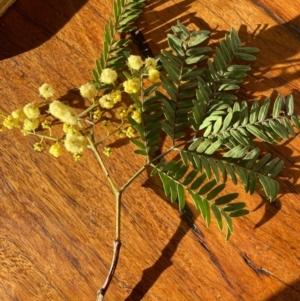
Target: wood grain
x: 4, y: 5
x: 57, y: 216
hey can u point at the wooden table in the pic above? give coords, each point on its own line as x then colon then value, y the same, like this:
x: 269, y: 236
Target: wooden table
x: 57, y: 216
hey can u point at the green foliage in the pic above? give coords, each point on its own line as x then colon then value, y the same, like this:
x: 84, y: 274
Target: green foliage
x: 194, y: 131
x: 115, y: 51
x: 213, y: 131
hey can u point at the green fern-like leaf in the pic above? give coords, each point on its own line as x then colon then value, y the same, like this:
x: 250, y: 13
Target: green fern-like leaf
x: 180, y: 80
x: 177, y: 178
x: 115, y: 51
x: 214, y: 133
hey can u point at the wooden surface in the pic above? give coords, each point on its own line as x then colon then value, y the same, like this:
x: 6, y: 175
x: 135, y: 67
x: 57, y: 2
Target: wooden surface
x: 4, y: 5
x: 57, y: 216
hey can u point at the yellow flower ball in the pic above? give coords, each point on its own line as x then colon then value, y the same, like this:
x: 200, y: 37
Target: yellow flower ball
x: 130, y: 133
x: 31, y: 111
x: 10, y: 122
x: 135, y: 62
x: 75, y: 143
x: 136, y: 116
x: 116, y: 96
x: 121, y: 112
x: 30, y: 124
x: 46, y: 124
x: 108, y: 76
x: 132, y: 85
x: 150, y: 62
x: 97, y: 114
x: 106, y: 102
x: 153, y: 75
x: 88, y: 90
x: 106, y: 123
x: 77, y: 157
x: 55, y: 150
x: 19, y: 114
x: 46, y: 90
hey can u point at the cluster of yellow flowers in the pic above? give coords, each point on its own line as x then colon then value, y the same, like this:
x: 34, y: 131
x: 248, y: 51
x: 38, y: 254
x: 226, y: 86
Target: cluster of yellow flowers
x: 110, y: 101
x: 27, y: 119
x: 136, y: 63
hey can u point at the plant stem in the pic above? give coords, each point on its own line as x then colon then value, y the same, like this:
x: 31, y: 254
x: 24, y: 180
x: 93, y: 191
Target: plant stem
x: 117, y: 241
x: 118, y: 195
x: 42, y: 136
x: 102, y: 291
x: 103, y: 167
x: 145, y: 167
x: 92, y: 106
x: 109, y: 134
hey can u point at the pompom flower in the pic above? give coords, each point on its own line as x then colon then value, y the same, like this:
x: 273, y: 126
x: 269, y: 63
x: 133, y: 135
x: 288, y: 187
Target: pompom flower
x: 153, y: 75
x: 55, y: 150
x: 108, y: 76
x: 106, y: 102
x: 63, y: 112
x: 121, y: 112
x: 150, y: 62
x: 88, y: 90
x: 19, y: 114
x: 31, y: 111
x: 97, y: 114
x: 30, y: 124
x: 46, y: 90
x: 135, y: 62
x: 136, y: 116
x: 130, y: 133
x: 10, y: 122
x: 132, y: 85
x: 116, y: 96
x: 75, y: 143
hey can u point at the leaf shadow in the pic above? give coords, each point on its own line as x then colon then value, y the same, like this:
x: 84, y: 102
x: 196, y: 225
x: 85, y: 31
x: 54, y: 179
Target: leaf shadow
x: 274, y: 55
x: 155, y: 28
x: 188, y: 216
x: 287, y: 178
x: 73, y: 99
x: 151, y: 275
x: 30, y: 23
x: 271, y: 209
x: 164, y: 261
x: 291, y: 292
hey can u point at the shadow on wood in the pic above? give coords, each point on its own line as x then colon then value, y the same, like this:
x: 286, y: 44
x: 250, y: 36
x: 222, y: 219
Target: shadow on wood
x: 279, y: 57
x: 290, y: 293
x: 32, y: 22
x: 155, y: 28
